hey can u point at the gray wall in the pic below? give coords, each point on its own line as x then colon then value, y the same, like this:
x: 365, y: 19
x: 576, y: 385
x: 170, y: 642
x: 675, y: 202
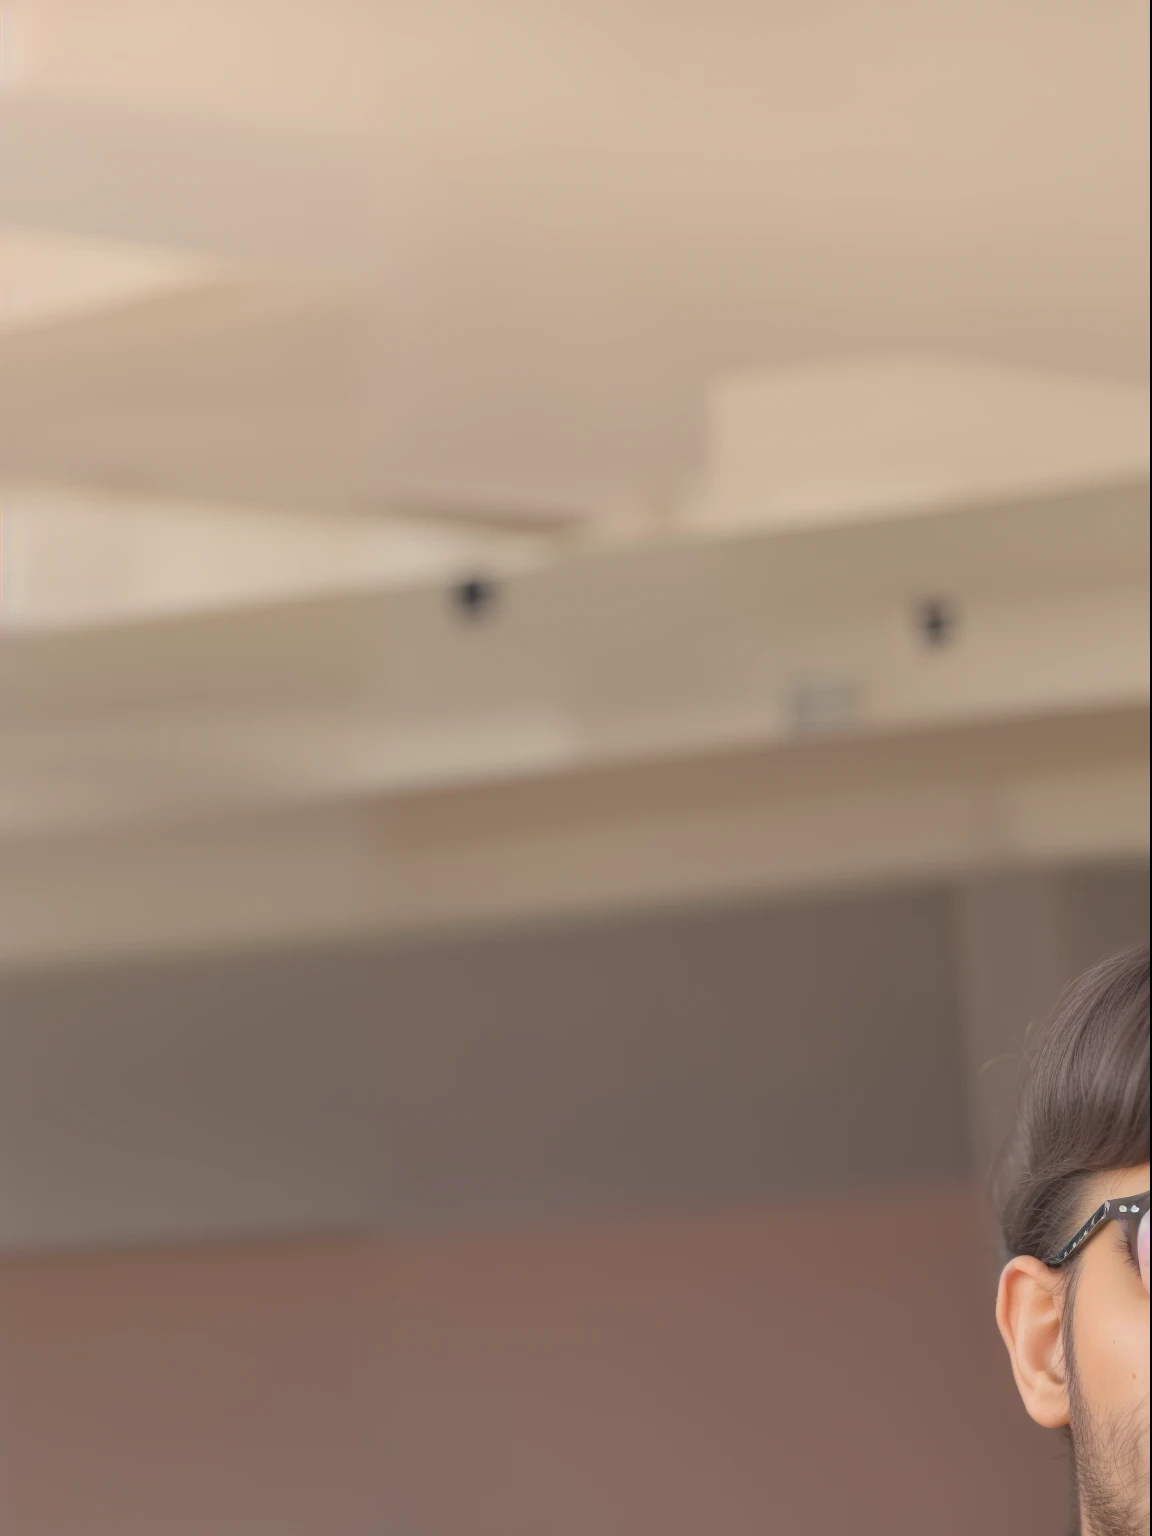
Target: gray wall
x: 1019, y: 940
x: 681, y: 1058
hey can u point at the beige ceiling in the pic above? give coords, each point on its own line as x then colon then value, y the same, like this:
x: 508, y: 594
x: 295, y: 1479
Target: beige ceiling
x: 48, y: 278
x: 491, y: 252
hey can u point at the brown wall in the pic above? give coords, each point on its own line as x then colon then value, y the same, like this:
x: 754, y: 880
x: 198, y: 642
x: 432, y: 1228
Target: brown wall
x: 794, y: 1369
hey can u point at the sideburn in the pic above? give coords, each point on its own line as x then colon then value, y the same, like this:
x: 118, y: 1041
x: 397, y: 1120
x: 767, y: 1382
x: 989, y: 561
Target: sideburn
x: 1095, y: 1457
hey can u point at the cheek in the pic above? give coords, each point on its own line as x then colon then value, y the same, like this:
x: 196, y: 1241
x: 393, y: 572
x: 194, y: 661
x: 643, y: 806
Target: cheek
x: 1112, y: 1335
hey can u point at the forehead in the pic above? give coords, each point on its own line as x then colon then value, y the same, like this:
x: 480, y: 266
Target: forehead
x: 1123, y: 1181
x: 1112, y: 1185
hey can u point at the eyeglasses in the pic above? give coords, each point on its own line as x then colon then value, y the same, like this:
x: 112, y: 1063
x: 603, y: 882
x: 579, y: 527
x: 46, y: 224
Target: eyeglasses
x: 1131, y: 1211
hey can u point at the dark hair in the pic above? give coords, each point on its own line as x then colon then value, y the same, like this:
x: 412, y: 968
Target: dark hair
x: 1083, y: 1108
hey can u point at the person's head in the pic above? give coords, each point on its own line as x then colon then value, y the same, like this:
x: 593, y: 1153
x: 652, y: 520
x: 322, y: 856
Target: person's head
x: 1076, y: 1326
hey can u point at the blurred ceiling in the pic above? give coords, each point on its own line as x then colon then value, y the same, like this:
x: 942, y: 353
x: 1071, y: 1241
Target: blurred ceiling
x: 493, y: 254
x: 300, y: 302
x: 343, y: 295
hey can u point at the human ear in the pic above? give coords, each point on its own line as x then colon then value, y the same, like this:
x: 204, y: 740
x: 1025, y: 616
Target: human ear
x: 1029, y: 1311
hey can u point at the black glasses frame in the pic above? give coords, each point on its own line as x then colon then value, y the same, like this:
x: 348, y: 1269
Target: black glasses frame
x: 1126, y: 1209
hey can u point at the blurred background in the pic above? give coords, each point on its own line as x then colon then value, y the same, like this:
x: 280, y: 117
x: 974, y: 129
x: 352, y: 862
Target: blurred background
x: 573, y: 679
